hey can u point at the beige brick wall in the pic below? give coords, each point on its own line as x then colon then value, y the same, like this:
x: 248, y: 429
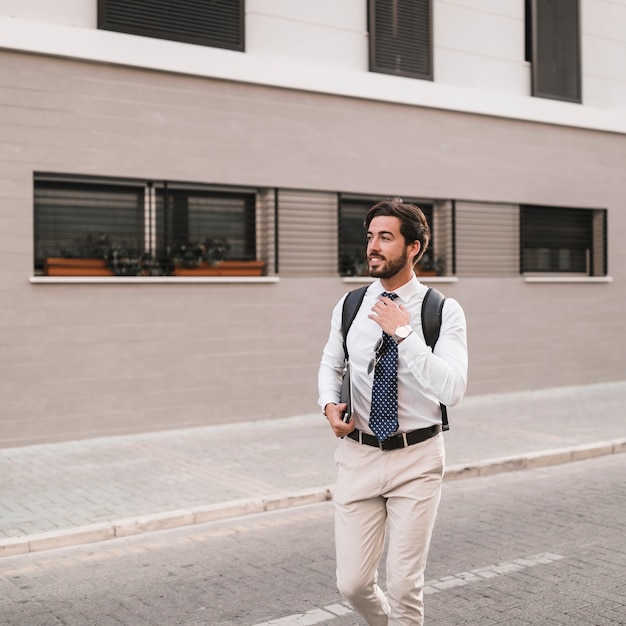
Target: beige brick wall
x: 84, y: 360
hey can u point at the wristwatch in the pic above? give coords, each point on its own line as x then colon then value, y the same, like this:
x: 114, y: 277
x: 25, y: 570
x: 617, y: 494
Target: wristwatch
x: 401, y: 333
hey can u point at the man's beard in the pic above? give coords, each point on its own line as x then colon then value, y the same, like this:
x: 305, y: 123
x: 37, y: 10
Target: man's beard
x: 390, y: 268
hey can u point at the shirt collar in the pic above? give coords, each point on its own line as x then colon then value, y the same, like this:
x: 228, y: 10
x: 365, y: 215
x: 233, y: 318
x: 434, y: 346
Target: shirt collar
x: 406, y: 291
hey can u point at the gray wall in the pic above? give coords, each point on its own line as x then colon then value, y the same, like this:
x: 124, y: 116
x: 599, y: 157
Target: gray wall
x: 85, y: 360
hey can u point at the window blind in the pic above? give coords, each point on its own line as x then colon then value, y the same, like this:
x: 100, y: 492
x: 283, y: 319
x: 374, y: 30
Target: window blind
x: 196, y: 217
x: 217, y: 23
x: 401, y: 37
x: 555, y: 33
x: 555, y: 239
x: 487, y: 239
x: 84, y: 220
x: 308, y: 226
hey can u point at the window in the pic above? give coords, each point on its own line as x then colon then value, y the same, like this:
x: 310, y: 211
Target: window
x: 563, y: 240
x: 401, y: 37
x: 353, y: 242
x: 553, y: 48
x: 216, y: 23
x: 86, y: 220
x: 131, y: 228
x: 212, y: 219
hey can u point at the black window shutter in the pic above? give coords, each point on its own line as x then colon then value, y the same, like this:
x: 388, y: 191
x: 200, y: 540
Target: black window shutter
x: 82, y: 220
x: 555, y: 239
x: 556, y: 71
x: 216, y: 23
x: 352, y: 242
x: 401, y: 37
x: 196, y: 217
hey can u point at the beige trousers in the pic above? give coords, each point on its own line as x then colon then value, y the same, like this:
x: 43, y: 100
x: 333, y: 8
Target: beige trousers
x: 377, y: 493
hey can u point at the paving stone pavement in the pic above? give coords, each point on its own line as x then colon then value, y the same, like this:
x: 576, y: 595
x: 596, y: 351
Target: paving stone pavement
x: 540, y: 547
x: 96, y: 489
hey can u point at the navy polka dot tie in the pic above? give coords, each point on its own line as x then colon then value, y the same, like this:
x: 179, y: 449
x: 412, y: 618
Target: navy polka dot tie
x: 384, y: 410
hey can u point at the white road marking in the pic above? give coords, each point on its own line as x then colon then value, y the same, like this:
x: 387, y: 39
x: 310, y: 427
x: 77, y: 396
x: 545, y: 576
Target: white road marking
x: 332, y: 611
x: 488, y: 571
x: 316, y: 616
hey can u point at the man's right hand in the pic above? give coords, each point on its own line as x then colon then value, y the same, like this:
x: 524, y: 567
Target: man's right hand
x: 334, y: 415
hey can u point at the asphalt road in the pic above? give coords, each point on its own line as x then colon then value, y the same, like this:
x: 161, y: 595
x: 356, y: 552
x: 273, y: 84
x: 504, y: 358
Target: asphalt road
x: 542, y: 547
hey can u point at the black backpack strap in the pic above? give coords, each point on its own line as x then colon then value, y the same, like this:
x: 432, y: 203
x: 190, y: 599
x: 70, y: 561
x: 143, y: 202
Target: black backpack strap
x: 351, y: 305
x: 432, y: 314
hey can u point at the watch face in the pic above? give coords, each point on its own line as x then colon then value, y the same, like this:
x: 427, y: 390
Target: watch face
x: 403, y: 332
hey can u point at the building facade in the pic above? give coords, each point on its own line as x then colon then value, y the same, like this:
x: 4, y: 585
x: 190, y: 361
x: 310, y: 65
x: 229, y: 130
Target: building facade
x: 212, y: 162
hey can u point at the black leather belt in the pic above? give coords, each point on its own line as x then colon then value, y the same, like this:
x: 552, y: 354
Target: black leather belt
x: 395, y: 441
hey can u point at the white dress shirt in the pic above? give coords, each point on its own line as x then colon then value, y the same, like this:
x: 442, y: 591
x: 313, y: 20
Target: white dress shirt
x: 425, y: 378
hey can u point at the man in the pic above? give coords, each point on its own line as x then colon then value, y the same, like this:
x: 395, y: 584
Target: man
x: 390, y: 460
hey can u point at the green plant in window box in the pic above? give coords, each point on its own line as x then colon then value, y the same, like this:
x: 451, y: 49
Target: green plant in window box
x: 210, y: 258
x: 125, y: 260
x: 86, y: 257
x: 121, y: 258
x: 354, y: 265
x: 191, y: 255
x: 428, y: 265
x: 97, y: 255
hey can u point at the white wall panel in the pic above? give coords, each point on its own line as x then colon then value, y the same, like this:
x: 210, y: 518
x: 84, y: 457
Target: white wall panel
x: 70, y: 12
x: 341, y: 15
x: 603, y: 27
x: 493, y: 7
x: 456, y: 67
x: 479, y: 32
x: 605, y: 57
x: 604, y: 18
x: 322, y: 46
x: 308, y: 43
x: 604, y: 93
x: 478, y: 46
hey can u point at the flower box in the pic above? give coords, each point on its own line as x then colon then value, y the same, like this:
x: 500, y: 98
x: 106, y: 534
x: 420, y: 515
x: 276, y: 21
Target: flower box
x: 76, y: 267
x: 223, y: 268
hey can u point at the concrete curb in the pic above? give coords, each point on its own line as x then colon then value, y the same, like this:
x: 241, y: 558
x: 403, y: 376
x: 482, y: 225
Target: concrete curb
x: 126, y: 527
x: 533, y: 460
x: 15, y: 546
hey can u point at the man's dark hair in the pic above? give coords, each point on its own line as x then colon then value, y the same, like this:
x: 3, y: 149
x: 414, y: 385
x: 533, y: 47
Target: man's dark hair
x: 413, y: 227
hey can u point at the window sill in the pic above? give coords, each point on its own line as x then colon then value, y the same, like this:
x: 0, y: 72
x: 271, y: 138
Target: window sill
x: 568, y: 279
x: 149, y: 280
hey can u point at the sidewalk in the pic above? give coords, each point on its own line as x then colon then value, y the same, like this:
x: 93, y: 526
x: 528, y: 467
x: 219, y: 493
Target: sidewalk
x: 54, y: 495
